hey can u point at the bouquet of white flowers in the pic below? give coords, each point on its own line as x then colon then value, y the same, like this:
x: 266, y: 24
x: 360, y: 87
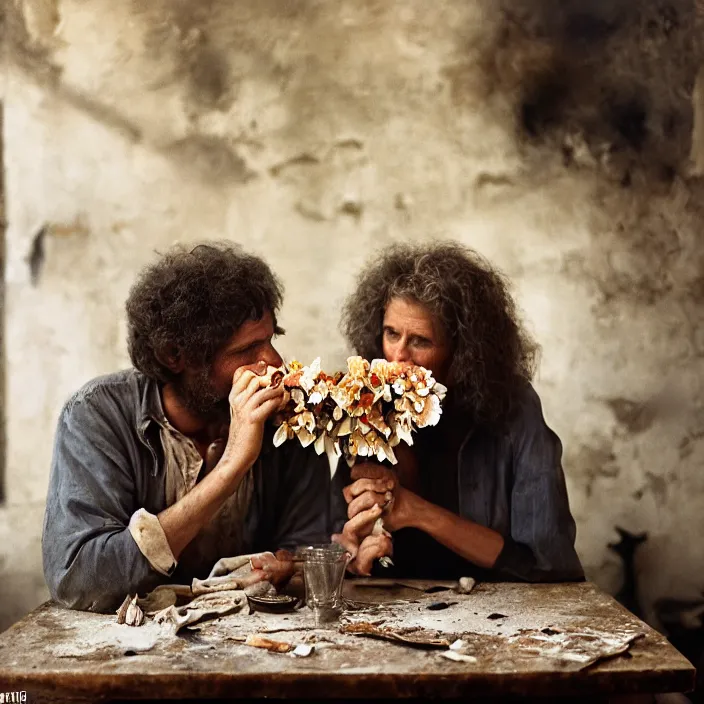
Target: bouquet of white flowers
x: 363, y: 413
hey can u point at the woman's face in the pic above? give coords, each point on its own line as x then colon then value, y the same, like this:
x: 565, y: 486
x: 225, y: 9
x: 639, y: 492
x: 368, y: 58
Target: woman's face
x: 411, y: 334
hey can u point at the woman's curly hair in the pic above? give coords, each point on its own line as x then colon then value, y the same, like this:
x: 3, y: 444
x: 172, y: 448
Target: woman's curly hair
x: 492, y: 356
x: 192, y: 301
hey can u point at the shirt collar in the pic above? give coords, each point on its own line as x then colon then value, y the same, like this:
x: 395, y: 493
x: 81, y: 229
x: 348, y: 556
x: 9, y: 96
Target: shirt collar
x: 151, y: 408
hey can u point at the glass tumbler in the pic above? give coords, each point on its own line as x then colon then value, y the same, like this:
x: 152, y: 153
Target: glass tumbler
x: 324, y: 573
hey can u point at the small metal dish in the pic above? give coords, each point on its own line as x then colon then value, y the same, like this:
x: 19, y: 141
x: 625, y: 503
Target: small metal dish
x: 273, y: 604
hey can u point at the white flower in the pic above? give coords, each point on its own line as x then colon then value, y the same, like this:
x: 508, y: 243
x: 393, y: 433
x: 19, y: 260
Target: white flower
x: 357, y: 366
x: 346, y: 426
x: 305, y: 437
x: 379, y: 367
x: 319, y: 392
x: 431, y: 412
x: 404, y: 404
x: 299, y: 399
x: 307, y: 420
x: 319, y: 444
x: 384, y: 451
x: 310, y: 375
x: 347, y: 391
x: 357, y: 445
x: 402, y: 425
x: 283, y: 433
x: 376, y: 420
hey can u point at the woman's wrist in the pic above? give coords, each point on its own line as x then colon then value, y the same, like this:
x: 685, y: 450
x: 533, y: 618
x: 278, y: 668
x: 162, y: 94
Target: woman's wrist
x: 412, y: 510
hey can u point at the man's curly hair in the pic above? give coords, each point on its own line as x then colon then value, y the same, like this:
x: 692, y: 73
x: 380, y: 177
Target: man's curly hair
x: 492, y: 356
x: 192, y: 301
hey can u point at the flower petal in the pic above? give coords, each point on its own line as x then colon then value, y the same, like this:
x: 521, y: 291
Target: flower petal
x: 299, y: 399
x: 281, y: 435
x: 319, y: 444
x: 431, y: 412
x: 305, y: 437
x: 345, y: 427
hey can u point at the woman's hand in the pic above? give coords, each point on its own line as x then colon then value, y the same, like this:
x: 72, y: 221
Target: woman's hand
x: 250, y: 406
x: 376, y: 492
x: 363, y: 555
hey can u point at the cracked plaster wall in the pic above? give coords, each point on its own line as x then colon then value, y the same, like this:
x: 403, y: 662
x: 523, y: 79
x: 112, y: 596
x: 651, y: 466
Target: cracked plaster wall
x: 554, y: 137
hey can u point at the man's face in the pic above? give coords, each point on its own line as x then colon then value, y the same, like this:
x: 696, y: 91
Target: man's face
x: 204, y: 391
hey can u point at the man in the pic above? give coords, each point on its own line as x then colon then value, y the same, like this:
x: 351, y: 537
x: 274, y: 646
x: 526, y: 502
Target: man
x: 160, y: 470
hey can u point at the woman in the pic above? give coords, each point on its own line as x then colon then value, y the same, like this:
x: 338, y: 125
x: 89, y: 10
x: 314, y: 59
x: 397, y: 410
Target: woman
x: 482, y: 493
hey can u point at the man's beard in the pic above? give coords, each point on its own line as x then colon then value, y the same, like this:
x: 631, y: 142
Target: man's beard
x: 200, y: 397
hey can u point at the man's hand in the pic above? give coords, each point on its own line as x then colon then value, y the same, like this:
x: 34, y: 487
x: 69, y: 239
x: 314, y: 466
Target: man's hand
x: 250, y: 569
x: 278, y: 569
x: 250, y: 406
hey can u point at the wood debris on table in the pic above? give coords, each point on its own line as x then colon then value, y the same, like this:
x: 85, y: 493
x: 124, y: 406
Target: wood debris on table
x: 574, y: 649
x: 425, y: 586
x: 164, y: 595
x: 415, y: 636
x: 457, y: 657
x: 129, y: 612
x: 205, y: 606
x: 225, y: 591
x: 273, y: 646
x: 458, y: 652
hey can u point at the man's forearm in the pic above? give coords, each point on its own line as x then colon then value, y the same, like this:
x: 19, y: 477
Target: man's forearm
x: 474, y: 542
x: 185, y: 519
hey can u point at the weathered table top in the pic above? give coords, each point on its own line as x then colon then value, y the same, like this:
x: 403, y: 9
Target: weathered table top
x: 518, y: 639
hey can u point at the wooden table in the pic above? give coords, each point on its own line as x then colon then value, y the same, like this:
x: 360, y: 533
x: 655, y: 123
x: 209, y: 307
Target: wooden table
x: 526, y: 640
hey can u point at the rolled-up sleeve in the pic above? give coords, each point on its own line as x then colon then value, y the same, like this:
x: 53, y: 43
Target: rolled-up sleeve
x: 152, y: 542
x: 91, y: 559
x: 541, y: 545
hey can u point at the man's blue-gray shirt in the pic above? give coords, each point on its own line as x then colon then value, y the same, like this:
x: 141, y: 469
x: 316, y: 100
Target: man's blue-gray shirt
x: 108, y: 464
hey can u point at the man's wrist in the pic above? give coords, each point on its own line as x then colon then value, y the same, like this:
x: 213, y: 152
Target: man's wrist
x: 232, y: 469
